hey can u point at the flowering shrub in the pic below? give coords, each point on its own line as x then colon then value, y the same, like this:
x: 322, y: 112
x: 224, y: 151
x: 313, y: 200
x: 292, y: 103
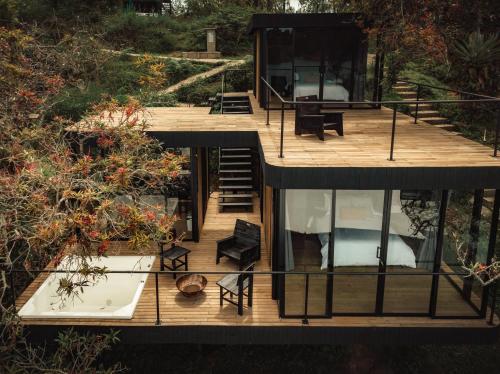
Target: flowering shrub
x: 69, y: 189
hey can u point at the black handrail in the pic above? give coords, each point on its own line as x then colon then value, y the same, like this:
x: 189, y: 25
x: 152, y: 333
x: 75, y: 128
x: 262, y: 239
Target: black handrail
x: 395, y: 103
x: 447, y: 89
x: 306, y: 275
x: 223, y: 88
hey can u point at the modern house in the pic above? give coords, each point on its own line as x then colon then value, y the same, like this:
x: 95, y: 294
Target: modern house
x: 360, y: 232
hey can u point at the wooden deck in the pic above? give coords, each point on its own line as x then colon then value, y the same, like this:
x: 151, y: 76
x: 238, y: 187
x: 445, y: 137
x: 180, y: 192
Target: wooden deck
x: 366, y: 140
x: 177, y: 310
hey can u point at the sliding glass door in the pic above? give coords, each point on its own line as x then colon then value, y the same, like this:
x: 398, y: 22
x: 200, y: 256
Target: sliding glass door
x: 385, y: 250
x: 411, y: 250
x: 307, y: 245
x: 308, y: 62
x: 357, y: 249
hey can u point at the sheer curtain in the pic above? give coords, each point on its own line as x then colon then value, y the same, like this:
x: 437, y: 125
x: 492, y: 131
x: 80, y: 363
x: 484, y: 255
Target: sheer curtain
x: 307, y: 212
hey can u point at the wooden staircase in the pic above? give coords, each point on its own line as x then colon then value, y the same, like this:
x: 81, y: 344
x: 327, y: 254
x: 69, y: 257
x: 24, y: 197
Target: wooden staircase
x: 426, y: 112
x: 232, y: 103
x: 236, y: 182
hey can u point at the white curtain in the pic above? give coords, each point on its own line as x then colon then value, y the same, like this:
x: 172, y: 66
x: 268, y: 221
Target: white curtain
x: 307, y: 212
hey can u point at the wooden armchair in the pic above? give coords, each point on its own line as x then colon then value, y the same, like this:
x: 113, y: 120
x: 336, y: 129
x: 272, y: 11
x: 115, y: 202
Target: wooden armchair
x: 243, y: 246
x: 310, y: 120
x: 238, y: 285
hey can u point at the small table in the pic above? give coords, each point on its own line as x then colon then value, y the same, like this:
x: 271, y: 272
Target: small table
x: 174, y: 255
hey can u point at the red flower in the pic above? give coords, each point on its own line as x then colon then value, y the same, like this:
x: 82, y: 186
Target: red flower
x: 94, y: 234
x: 103, y: 247
x: 150, y: 216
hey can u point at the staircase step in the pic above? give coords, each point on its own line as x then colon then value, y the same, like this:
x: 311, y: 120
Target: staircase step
x: 240, y: 187
x: 234, y: 101
x: 426, y: 113
x: 231, y: 106
x: 237, y: 204
x: 235, y: 179
x: 408, y: 94
x: 405, y: 88
x: 448, y: 127
x: 437, y: 120
x: 235, y: 156
x: 236, y: 195
x: 235, y: 163
x: 234, y: 149
x: 230, y: 171
x: 421, y: 107
x: 235, y: 171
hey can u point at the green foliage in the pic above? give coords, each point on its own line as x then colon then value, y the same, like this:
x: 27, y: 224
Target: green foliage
x: 478, y: 56
x: 8, y: 11
x: 73, y: 102
x: 152, y: 98
x: 73, y: 353
x: 231, y: 23
x: 144, y: 34
x: 198, y: 92
x: 120, y: 78
x: 69, y: 10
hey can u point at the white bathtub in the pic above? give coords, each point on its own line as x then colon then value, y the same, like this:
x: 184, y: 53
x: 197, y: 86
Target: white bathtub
x: 112, y: 297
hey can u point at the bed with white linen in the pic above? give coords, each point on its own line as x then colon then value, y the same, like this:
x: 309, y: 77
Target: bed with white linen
x: 331, y: 91
x: 358, y: 221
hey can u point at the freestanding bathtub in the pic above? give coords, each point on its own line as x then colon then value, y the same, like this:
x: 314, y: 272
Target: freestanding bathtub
x: 114, y: 296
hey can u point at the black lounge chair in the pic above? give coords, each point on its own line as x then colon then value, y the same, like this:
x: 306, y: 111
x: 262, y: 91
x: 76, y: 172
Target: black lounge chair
x: 238, y: 285
x: 310, y: 120
x: 243, y: 246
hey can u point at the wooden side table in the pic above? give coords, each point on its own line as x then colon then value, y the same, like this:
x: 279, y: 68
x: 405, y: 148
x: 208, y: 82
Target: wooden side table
x: 174, y: 254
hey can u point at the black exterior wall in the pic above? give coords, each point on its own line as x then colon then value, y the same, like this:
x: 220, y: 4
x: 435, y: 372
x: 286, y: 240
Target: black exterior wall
x: 356, y: 178
x: 282, y: 335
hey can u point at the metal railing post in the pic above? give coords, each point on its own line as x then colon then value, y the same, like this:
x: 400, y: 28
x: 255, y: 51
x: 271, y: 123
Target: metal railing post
x: 497, y: 130
x: 157, y: 301
x: 393, y: 132
x: 268, y: 105
x: 305, y: 321
x: 222, y: 94
x: 282, y: 127
x: 12, y: 289
x: 416, y: 105
x: 493, y: 303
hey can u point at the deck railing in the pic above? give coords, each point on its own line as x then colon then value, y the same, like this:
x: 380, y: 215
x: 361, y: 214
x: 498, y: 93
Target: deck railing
x: 489, y: 300
x: 224, y: 84
x: 419, y: 86
x: 475, y: 98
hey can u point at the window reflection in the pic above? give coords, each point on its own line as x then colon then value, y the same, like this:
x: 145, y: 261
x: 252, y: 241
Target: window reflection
x: 307, y: 231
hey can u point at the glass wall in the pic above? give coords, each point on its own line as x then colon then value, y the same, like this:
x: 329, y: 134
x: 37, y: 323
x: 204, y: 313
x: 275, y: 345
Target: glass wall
x: 307, y: 62
x: 307, y: 233
x: 340, y: 47
x: 328, y: 63
x: 413, y: 231
x: 179, y: 197
x: 280, y: 62
x: 466, y: 233
x: 358, y: 230
x: 377, y: 236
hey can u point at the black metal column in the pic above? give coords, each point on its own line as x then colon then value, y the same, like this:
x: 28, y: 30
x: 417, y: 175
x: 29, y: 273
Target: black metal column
x: 470, y: 257
x: 438, y: 253
x: 491, y: 249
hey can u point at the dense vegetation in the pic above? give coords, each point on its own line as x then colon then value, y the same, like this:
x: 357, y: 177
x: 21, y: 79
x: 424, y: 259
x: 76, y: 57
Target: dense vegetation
x: 55, y: 66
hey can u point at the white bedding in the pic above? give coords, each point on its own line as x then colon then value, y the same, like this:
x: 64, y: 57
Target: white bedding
x: 359, y: 248
x: 331, y: 91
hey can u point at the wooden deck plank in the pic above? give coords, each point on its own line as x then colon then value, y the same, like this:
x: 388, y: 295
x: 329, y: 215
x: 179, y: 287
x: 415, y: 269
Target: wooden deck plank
x: 177, y: 310
x: 366, y: 140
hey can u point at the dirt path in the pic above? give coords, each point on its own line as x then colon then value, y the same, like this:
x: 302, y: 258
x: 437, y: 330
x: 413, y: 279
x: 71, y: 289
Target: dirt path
x: 207, y: 74
x: 165, y: 57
